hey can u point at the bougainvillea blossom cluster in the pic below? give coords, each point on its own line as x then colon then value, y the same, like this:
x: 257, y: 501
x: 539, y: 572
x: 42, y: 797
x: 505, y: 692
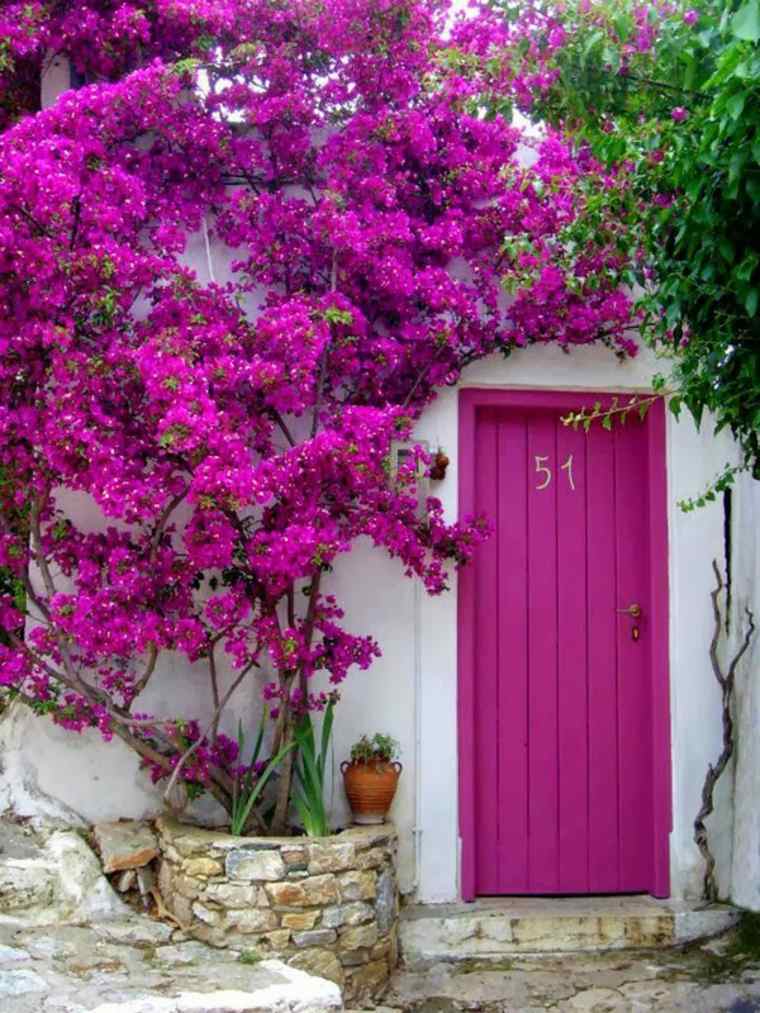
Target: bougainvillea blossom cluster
x: 375, y: 233
x: 104, y: 39
x: 521, y: 46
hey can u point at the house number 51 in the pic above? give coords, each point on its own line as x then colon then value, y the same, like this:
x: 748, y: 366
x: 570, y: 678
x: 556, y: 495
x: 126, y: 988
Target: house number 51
x: 546, y: 473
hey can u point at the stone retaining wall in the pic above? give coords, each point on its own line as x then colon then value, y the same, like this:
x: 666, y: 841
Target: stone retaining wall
x: 328, y: 905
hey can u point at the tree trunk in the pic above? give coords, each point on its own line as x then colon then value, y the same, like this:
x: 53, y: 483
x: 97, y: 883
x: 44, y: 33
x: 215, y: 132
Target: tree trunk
x: 280, y: 826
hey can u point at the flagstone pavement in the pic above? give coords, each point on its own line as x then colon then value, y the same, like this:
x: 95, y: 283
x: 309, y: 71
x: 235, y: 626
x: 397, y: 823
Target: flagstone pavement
x: 141, y: 966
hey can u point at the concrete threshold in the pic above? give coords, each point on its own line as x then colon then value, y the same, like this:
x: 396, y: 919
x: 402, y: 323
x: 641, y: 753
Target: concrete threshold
x: 491, y: 929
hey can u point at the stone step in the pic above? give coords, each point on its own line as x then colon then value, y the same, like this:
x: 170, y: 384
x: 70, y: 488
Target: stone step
x: 49, y: 876
x: 494, y: 928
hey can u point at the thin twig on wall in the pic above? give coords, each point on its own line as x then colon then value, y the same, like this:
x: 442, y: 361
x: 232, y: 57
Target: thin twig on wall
x: 726, y: 682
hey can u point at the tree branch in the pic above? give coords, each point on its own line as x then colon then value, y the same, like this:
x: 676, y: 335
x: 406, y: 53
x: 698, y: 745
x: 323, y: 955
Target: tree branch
x: 323, y: 357
x: 211, y: 726
x: 285, y: 721
x: 76, y: 204
x: 726, y: 683
x: 43, y: 231
x: 275, y: 415
x: 214, y: 690
x: 150, y: 667
x: 39, y: 556
x: 158, y: 530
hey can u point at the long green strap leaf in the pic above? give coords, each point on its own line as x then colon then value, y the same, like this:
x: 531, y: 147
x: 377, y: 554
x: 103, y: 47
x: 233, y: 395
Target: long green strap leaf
x: 259, y: 786
x: 326, y: 733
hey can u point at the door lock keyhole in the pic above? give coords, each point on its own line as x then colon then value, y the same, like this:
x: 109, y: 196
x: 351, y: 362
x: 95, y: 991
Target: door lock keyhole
x: 634, y: 611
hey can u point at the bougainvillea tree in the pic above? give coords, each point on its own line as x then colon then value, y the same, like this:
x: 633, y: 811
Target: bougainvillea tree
x: 371, y: 230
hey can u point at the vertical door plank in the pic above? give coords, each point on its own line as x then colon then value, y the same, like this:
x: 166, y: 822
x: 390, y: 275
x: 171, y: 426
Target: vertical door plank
x: 543, y: 844
x: 487, y: 661
x: 572, y: 661
x: 634, y: 675
x: 604, y: 873
x: 511, y: 616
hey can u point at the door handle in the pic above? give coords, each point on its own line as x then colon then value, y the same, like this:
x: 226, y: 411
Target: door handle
x: 633, y: 610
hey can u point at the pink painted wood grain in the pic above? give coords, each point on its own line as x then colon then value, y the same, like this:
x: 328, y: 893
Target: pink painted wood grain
x: 563, y: 716
x: 512, y: 612
x: 486, y: 689
x: 543, y: 645
x: 601, y: 629
x: 572, y: 661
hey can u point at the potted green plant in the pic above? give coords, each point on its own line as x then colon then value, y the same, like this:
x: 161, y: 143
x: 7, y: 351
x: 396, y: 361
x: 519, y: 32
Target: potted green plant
x: 370, y: 777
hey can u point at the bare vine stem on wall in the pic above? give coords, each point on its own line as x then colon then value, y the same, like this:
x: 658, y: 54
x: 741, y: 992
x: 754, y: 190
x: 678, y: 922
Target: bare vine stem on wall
x: 726, y: 682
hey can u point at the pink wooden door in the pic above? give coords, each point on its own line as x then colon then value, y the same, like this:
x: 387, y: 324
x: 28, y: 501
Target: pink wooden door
x: 563, y: 682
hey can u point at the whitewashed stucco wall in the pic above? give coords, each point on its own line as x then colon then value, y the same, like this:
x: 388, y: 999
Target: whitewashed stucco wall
x: 411, y: 692
x: 745, y: 878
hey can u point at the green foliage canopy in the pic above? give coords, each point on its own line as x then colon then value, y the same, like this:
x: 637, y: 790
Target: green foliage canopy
x: 673, y: 94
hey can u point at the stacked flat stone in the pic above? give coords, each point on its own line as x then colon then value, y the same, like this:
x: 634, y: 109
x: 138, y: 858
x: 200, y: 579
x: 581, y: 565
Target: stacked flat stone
x: 327, y: 905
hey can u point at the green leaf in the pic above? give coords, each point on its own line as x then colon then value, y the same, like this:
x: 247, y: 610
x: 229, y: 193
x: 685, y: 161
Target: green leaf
x: 327, y: 724
x: 746, y: 269
x: 303, y: 813
x: 187, y: 66
x: 611, y: 58
x: 240, y: 816
x: 745, y: 24
x: 751, y: 300
x: 259, y: 739
x: 736, y: 165
x: 735, y: 104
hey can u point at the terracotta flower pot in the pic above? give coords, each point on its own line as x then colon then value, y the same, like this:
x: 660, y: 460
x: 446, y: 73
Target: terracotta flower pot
x: 370, y: 787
